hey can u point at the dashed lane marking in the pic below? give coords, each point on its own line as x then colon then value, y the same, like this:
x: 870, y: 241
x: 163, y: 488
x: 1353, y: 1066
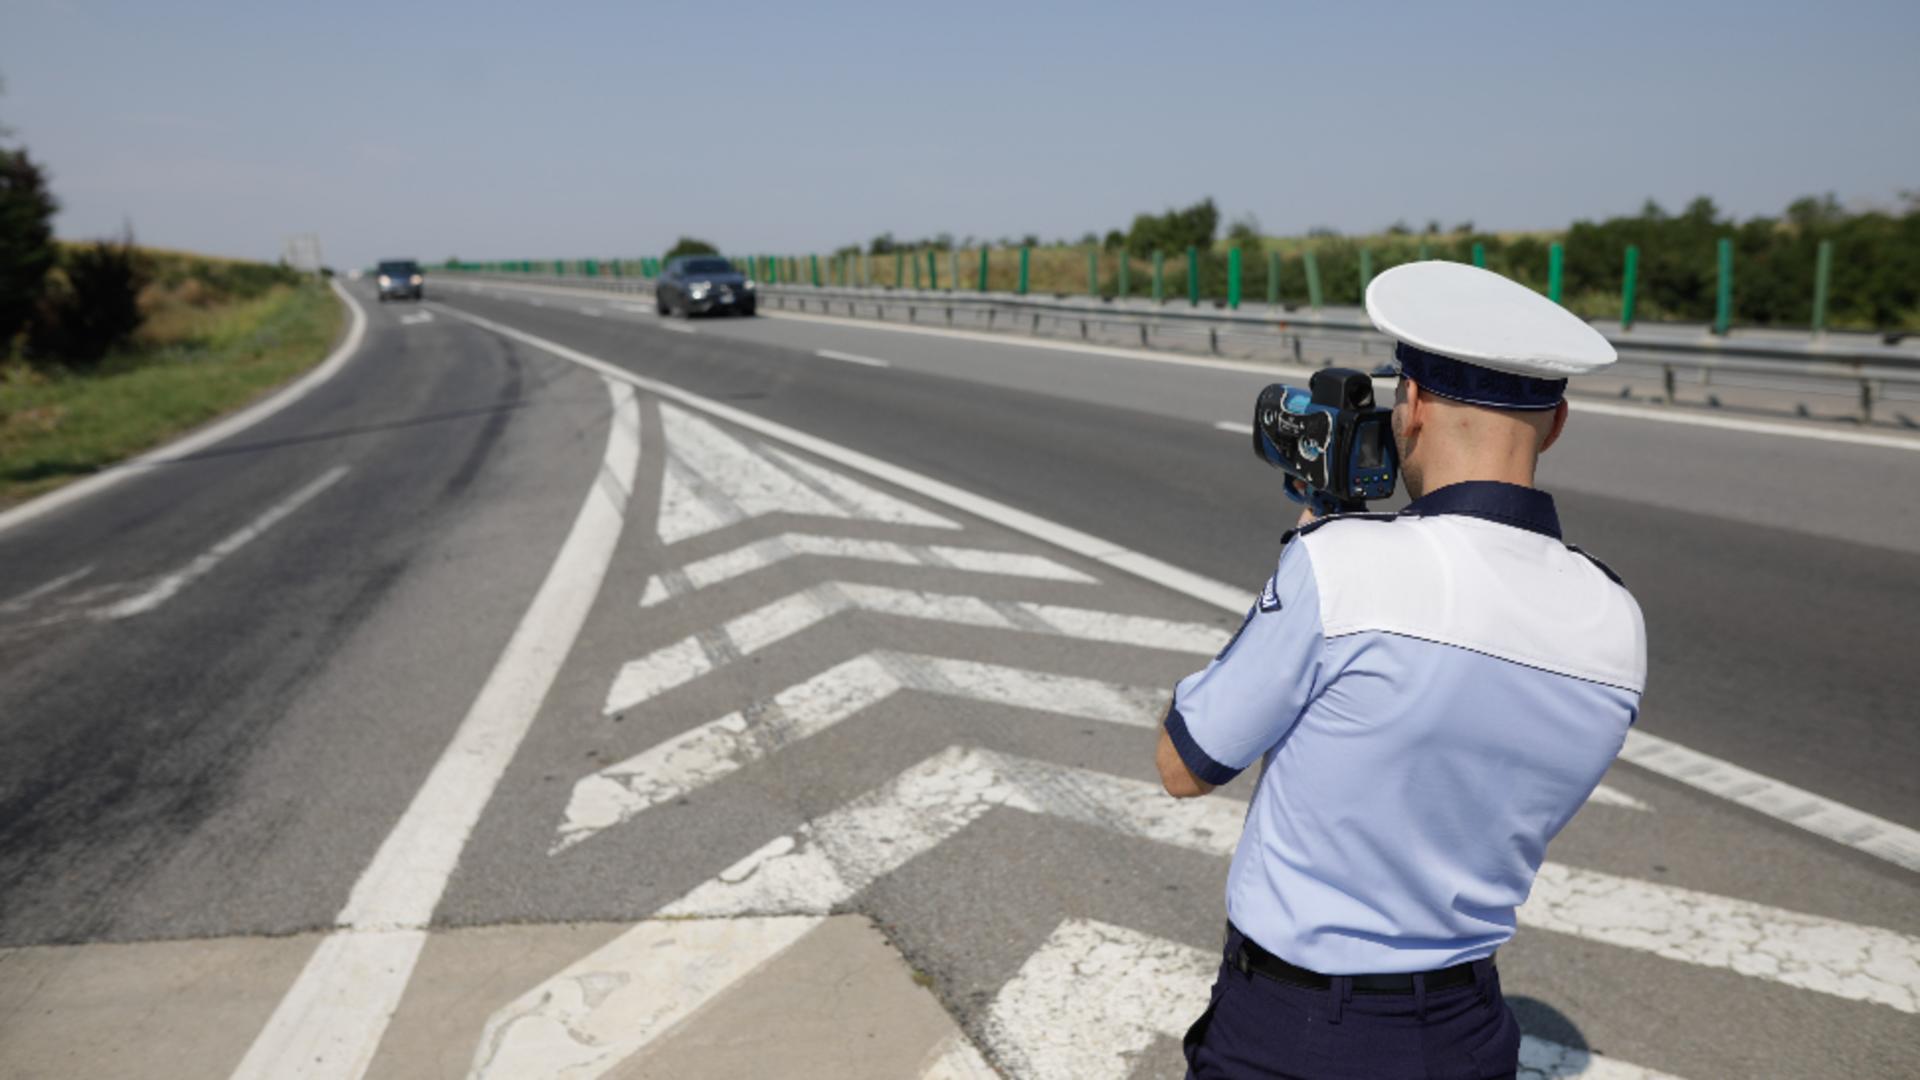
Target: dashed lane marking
x: 835, y: 354
x: 27, y: 599
x: 678, y: 328
x: 772, y: 551
x: 169, y: 586
x: 331, y: 1020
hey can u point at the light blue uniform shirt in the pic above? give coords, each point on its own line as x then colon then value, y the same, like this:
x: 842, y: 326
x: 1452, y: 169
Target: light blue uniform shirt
x: 1434, y: 695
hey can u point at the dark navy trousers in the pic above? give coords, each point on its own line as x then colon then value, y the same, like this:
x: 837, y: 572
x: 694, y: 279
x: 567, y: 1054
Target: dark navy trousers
x: 1257, y: 1027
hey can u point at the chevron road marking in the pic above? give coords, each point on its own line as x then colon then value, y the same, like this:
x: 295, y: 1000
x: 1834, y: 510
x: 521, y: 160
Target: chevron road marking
x: 714, y: 480
x: 835, y: 856
x: 694, y: 656
x: 1095, y: 996
x: 332, y: 1018
x: 761, y: 554
x: 716, y: 749
x: 1155, y: 571
x: 702, y: 755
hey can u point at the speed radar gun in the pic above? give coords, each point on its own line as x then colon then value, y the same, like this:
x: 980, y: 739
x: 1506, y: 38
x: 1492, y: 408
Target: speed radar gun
x: 1332, y: 441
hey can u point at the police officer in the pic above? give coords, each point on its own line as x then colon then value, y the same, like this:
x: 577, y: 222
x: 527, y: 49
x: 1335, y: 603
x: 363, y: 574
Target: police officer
x: 1433, y: 693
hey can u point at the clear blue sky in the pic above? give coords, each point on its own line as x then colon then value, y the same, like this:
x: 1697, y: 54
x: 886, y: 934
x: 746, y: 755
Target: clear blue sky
x: 526, y: 130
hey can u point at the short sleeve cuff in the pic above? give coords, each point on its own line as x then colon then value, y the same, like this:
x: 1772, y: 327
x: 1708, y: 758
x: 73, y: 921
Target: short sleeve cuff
x: 1198, y: 761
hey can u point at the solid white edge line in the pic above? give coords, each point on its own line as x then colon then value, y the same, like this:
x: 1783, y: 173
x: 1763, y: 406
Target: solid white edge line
x: 1237, y: 427
x: 851, y: 358
x: 211, y: 433
x: 1755, y: 427
x: 331, y: 1020
x: 1156, y: 571
x: 1603, y: 408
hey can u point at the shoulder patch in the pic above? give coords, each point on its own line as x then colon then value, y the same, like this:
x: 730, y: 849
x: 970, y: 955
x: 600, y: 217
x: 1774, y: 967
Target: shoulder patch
x: 1269, y: 597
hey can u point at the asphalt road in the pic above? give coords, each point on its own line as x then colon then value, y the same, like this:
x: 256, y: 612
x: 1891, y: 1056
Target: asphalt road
x: 203, y: 739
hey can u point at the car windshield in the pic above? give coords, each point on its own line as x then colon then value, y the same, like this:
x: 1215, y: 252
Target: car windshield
x: 708, y: 266
x: 399, y: 269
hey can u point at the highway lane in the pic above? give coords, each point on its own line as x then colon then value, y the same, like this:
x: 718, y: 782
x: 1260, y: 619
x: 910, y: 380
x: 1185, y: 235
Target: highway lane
x: 953, y: 719
x: 227, y: 760
x: 1780, y: 576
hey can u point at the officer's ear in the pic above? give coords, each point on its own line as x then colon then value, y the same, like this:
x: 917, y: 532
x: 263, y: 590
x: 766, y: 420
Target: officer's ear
x: 1559, y: 425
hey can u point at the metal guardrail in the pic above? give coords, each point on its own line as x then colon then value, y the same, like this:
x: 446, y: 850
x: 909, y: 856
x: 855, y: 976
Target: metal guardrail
x: 1303, y: 338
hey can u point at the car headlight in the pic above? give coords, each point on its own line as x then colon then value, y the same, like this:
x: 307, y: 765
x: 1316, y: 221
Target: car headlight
x: 385, y: 280
x: 748, y: 286
x: 698, y: 289
x: 414, y: 280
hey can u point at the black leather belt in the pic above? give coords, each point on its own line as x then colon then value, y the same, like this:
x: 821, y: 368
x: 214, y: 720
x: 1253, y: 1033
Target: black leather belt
x: 1250, y: 957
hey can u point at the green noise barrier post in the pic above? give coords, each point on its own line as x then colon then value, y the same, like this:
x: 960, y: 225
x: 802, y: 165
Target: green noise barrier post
x: 1233, y: 278
x: 1193, y: 277
x: 1025, y: 257
x: 1723, y: 296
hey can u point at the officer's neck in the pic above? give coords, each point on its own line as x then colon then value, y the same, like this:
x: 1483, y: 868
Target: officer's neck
x: 1442, y: 468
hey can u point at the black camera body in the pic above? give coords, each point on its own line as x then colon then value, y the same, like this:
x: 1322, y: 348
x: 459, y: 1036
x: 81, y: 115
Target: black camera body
x: 1335, y: 445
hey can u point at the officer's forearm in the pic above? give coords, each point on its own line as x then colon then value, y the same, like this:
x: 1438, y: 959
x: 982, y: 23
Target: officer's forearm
x: 1174, y: 774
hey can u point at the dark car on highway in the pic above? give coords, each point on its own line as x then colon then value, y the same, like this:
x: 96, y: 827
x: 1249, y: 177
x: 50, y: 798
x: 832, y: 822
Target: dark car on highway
x: 702, y: 285
x: 401, y: 279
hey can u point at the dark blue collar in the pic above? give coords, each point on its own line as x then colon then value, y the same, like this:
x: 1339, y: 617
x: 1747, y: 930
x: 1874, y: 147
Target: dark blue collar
x: 1509, y: 504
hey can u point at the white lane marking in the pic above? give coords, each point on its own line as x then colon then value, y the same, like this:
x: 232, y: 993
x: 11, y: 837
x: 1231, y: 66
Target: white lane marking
x: 606, y: 1006
x: 1155, y: 571
x: 836, y: 855
x: 715, y: 479
x: 1236, y: 427
x: 536, y: 301
x: 956, y: 1058
x: 590, y: 312
x: 206, y: 436
x: 760, y: 554
x: 1859, y: 963
x: 167, y: 587
x: 1756, y: 427
x: 678, y: 328
x: 1783, y: 802
x: 26, y: 599
x: 704, y: 754
x: 692, y: 657
x: 331, y: 1020
x: 1610, y: 796
x: 641, y: 309
x: 416, y: 318
x: 1088, y: 1002
x: 835, y: 354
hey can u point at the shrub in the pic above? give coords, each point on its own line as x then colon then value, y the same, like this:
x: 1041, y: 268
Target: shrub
x: 687, y: 245
x: 93, y: 307
x: 27, y: 251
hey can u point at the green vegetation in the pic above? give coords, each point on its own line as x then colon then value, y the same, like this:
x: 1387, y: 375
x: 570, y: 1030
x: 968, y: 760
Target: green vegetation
x: 688, y: 245
x: 215, y: 335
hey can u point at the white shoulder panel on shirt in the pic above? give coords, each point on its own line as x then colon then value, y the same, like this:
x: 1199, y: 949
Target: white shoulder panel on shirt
x: 1476, y: 584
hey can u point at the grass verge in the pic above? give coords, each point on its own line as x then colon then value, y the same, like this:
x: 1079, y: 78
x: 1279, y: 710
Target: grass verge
x: 192, y: 364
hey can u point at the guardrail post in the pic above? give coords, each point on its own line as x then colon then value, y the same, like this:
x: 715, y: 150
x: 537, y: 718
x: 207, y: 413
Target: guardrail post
x: 1159, y: 277
x: 1125, y: 288
x: 1313, y: 278
x: 1233, y: 278
x: 1555, y: 257
x: 983, y: 269
x: 1723, y: 301
x: 1025, y: 255
x: 1480, y: 255
x: 1273, y: 279
x: 1627, y: 286
x: 1822, y: 273
x: 1366, y: 271
x: 1193, y: 277
x: 1093, y: 271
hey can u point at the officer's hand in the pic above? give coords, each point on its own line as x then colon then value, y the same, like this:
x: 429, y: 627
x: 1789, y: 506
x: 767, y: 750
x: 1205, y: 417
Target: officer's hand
x: 1307, y: 517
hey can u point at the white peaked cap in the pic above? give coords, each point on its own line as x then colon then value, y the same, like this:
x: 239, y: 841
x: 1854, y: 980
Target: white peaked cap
x: 1480, y: 318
